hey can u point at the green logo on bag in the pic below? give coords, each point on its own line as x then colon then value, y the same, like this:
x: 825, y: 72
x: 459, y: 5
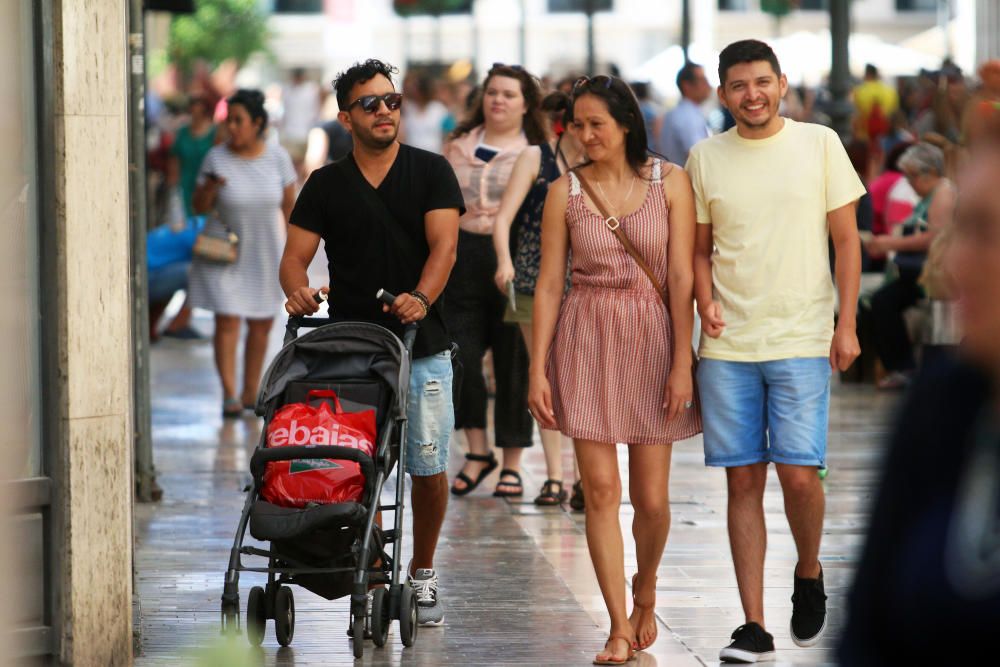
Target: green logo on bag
x: 305, y: 465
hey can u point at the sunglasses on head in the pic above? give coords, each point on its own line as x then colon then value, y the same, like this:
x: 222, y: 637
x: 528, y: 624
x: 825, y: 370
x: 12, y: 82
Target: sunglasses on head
x: 589, y: 82
x: 371, y: 103
x: 516, y: 68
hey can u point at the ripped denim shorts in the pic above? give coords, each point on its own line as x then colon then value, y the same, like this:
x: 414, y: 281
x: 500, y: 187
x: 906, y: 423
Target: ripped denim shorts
x: 430, y: 415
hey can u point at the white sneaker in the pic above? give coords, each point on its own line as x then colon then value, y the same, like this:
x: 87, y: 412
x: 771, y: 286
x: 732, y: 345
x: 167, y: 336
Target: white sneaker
x: 425, y: 584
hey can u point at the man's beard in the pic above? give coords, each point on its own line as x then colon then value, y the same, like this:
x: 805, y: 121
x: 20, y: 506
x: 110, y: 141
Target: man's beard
x: 369, y: 140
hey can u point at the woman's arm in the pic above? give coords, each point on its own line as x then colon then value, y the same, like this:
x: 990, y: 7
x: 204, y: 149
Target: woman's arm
x: 939, y: 216
x: 548, y: 297
x: 203, y: 200
x: 680, y: 287
x: 524, y: 173
x: 287, y: 202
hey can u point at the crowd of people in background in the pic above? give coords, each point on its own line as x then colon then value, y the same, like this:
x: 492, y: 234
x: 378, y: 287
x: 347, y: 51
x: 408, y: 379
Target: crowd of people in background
x: 908, y: 139
x: 506, y: 141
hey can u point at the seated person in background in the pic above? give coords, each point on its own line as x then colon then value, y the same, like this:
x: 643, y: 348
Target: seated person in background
x: 930, y: 568
x: 923, y: 167
x: 168, y: 260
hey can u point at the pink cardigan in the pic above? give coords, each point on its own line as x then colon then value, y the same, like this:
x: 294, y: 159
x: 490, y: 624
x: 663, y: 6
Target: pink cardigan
x: 482, y: 183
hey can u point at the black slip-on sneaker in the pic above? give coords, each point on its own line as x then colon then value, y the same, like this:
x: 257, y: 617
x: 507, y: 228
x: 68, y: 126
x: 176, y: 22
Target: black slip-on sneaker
x: 808, y: 611
x: 751, y: 643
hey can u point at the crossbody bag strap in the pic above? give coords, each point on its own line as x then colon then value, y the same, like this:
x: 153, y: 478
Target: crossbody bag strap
x: 615, y: 227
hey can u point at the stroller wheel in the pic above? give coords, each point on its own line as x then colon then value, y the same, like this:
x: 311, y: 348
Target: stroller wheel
x: 230, y: 619
x: 357, y: 634
x: 380, y: 616
x: 408, y: 616
x: 256, y: 616
x: 284, y: 615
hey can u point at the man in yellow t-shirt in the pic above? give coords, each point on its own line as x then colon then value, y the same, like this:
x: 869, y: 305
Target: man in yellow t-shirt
x: 769, y: 193
x: 876, y: 103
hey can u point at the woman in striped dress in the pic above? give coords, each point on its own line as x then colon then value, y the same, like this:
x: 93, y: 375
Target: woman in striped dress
x: 250, y: 183
x: 611, y: 363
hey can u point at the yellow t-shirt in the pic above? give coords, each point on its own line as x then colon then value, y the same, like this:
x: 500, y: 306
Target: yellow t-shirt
x: 767, y: 202
x: 869, y: 93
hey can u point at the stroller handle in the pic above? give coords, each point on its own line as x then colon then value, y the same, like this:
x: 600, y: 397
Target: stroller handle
x: 296, y: 322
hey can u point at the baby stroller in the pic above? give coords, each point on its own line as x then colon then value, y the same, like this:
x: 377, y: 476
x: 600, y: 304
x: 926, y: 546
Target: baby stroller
x: 333, y: 550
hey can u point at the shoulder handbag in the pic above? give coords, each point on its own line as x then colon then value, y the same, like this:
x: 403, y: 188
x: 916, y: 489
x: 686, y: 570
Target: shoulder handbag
x: 631, y: 250
x: 217, y: 249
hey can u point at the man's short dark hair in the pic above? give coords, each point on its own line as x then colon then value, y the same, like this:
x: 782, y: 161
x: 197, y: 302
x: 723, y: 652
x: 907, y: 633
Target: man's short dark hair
x: 359, y: 73
x: 746, y: 51
x: 687, y: 74
x: 871, y: 72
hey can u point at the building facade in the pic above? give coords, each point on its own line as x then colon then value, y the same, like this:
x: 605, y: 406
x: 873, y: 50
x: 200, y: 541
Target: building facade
x: 66, y: 267
x: 538, y: 35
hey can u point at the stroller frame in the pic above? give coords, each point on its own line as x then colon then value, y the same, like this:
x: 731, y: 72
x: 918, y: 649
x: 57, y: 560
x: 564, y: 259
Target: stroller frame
x: 276, y: 601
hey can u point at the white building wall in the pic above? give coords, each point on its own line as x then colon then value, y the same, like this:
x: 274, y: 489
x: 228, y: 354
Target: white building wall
x: 556, y: 44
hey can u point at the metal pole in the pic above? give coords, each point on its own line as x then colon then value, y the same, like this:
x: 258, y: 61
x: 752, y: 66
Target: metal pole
x: 145, y: 475
x: 686, y: 28
x: 943, y: 20
x: 522, y: 45
x: 840, y: 29
x: 589, y: 9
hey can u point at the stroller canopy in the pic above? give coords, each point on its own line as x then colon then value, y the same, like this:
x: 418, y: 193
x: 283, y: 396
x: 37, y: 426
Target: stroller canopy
x: 339, y: 350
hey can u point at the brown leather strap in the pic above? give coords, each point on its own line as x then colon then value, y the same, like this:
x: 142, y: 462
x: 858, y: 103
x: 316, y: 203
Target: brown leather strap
x: 620, y: 235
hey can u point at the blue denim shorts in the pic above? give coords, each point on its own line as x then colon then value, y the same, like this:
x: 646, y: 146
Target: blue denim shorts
x: 430, y: 415
x: 771, y: 411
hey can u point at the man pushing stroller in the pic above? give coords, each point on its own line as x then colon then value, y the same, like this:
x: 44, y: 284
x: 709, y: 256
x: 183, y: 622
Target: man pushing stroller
x: 388, y: 214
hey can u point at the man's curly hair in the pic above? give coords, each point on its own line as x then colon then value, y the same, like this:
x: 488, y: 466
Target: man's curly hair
x: 359, y: 73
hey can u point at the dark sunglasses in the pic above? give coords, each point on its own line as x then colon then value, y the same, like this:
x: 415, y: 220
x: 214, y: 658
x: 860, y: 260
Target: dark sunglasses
x: 371, y: 103
x: 589, y: 82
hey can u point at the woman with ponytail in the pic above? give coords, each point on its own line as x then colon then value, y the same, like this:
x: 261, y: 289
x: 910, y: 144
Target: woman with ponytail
x: 250, y: 185
x: 520, y: 253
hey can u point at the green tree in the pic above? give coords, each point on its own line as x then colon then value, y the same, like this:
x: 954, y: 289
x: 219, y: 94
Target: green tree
x: 217, y: 31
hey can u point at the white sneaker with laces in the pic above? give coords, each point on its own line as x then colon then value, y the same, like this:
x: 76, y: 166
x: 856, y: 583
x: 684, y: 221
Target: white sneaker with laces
x: 425, y: 584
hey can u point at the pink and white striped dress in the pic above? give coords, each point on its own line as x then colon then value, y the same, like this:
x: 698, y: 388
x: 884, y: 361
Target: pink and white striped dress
x: 611, y: 356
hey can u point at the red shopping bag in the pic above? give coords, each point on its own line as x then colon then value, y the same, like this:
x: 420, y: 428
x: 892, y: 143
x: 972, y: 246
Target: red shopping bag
x: 298, y: 482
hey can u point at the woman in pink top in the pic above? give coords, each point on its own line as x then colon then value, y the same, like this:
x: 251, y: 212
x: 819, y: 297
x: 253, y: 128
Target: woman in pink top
x: 506, y: 118
x: 887, y: 216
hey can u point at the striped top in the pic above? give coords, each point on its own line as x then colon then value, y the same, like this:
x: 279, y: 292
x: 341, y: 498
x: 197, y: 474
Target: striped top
x: 250, y: 203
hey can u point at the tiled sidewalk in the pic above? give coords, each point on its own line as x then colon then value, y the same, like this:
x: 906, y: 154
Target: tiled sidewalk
x: 516, y: 579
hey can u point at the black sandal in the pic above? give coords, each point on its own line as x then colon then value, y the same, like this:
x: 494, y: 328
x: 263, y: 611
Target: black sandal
x: 576, y: 502
x: 471, y: 485
x: 549, y: 496
x: 507, y: 472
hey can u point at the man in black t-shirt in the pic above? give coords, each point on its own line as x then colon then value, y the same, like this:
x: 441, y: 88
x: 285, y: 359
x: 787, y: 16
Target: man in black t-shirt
x: 388, y: 214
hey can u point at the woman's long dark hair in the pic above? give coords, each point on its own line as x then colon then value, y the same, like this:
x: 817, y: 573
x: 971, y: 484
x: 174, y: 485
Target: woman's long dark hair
x: 624, y: 108
x: 534, y: 121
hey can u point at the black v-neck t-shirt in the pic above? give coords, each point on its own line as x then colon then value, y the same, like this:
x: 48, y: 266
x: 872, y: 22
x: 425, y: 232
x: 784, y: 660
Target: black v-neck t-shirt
x: 362, y: 259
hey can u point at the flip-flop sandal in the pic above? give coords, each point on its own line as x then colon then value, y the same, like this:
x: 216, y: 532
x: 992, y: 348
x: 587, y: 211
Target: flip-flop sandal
x: 232, y: 408
x: 630, y: 655
x: 470, y: 484
x: 549, y: 497
x: 507, y: 472
x: 651, y: 607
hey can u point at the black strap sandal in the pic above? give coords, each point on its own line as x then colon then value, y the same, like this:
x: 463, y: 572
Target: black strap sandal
x: 470, y: 484
x: 550, y: 496
x: 507, y: 472
x: 576, y: 501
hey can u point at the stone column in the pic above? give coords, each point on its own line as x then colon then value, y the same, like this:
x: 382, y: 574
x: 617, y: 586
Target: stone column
x: 93, y: 478
x: 987, y: 30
